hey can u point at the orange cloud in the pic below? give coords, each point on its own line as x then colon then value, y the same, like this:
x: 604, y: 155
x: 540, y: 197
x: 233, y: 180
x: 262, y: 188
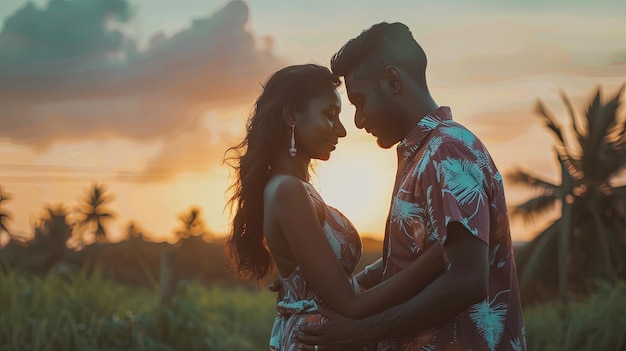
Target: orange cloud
x: 148, y: 95
x: 106, y: 89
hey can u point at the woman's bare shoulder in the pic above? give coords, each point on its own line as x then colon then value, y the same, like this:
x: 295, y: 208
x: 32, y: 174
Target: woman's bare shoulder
x: 284, y: 188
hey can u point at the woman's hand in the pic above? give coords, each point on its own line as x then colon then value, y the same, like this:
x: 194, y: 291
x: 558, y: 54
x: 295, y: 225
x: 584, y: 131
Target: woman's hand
x: 338, y: 333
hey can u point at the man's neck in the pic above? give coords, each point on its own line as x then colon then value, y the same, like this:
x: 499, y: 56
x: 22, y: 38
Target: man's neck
x: 420, y: 106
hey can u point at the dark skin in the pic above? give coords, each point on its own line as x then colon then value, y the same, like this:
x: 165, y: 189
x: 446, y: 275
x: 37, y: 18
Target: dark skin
x: 290, y: 211
x: 371, y: 275
x: 462, y: 285
x: 293, y: 223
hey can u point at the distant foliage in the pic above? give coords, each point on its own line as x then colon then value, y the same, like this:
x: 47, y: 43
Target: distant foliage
x: 192, y: 224
x: 587, y: 241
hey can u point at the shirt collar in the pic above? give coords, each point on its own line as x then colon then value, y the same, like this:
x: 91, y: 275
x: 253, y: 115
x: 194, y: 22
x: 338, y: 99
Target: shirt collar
x: 420, y: 132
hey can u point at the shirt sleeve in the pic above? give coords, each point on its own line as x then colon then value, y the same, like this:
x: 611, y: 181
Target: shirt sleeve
x: 454, y: 183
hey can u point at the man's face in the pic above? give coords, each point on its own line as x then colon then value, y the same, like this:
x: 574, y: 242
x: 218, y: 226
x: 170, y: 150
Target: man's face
x: 375, y: 111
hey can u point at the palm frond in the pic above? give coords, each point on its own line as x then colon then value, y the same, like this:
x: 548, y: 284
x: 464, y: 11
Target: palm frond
x: 595, y: 134
x: 3, y: 227
x: 535, y: 207
x: 622, y: 131
x: 570, y: 110
x: 550, y: 122
x: 100, y: 230
x: 610, y: 111
x: 570, y: 163
x: 521, y: 177
x: 91, y: 211
x: 604, y: 153
x: 4, y: 197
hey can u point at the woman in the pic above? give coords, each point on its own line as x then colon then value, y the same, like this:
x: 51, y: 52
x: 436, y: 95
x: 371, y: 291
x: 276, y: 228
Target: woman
x: 279, y: 218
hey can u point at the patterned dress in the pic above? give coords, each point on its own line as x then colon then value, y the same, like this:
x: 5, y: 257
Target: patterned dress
x: 297, y: 301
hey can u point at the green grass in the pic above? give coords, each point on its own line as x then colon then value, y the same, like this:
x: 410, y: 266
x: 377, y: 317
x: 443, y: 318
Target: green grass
x: 589, y: 324
x: 56, y: 313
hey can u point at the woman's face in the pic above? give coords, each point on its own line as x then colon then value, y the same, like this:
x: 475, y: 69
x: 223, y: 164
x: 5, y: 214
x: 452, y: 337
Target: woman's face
x: 318, y: 128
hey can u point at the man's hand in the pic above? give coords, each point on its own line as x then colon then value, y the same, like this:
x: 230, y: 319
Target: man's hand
x: 339, y: 333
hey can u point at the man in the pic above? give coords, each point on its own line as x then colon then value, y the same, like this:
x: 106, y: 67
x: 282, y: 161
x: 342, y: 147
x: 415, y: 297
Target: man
x: 447, y: 192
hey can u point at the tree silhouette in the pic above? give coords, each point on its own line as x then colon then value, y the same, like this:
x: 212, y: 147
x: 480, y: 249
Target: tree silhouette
x: 93, y: 213
x: 192, y: 224
x: 134, y: 232
x: 587, y: 242
x: 47, y: 247
x: 53, y: 229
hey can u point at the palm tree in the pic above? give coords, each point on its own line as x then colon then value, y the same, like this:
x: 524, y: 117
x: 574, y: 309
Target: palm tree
x: 47, y: 247
x: 53, y: 229
x: 92, y: 211
x: 192, y: 224
x: 587, y: 241
x: 133, y: 231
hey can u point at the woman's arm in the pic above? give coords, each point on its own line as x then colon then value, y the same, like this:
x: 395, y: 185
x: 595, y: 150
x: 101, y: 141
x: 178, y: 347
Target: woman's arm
x: 294, y: 213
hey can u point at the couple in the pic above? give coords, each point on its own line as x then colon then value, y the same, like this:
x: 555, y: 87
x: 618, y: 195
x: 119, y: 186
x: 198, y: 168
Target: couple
x: 446, y: 279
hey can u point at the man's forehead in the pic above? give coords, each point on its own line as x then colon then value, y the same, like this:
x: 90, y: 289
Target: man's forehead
x: 354, y: 84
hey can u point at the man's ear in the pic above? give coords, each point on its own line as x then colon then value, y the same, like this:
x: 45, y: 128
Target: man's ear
x: 391, y: 79
x: 289, y: 116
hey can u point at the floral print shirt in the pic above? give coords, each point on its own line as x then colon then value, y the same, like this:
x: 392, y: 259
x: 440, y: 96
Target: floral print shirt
x: 445, y: 174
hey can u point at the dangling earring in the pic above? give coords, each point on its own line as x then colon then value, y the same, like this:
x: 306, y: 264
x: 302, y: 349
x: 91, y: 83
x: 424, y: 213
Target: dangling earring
x: 292, y: 149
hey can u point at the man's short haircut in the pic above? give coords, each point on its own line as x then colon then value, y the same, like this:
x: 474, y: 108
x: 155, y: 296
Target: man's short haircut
x: 380, y: 45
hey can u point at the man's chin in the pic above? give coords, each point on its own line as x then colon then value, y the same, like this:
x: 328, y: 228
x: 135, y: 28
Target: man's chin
x: 384, y: 143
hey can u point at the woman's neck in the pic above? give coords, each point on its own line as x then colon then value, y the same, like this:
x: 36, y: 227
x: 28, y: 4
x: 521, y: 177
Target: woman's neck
x: 295, y: 166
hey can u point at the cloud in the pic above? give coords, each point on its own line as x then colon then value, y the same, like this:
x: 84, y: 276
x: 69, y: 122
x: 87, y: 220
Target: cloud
x: 186, y: 152
x: 104, y: 88
x: 65, y: 30
x: 67, y: 74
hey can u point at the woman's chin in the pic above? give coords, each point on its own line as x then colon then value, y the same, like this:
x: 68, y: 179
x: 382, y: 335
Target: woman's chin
x: 324, y: 158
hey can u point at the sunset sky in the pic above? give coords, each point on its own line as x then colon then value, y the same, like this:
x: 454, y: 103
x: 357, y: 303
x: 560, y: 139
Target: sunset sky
x: 146, y: 95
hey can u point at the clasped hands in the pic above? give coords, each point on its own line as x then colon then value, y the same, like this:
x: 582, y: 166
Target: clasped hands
x: 339, y: 333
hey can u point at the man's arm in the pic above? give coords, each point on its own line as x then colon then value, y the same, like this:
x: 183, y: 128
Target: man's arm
x: 462, y: 285
x: 293, y: 213
x: 369, y: 277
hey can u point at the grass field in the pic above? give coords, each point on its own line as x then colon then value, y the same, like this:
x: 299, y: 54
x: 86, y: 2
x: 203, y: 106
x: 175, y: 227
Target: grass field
x: 79, y: 313
x: 53, y: 313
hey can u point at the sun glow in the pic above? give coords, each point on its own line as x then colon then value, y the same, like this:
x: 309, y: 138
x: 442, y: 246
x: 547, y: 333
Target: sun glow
x: 358, y: 180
